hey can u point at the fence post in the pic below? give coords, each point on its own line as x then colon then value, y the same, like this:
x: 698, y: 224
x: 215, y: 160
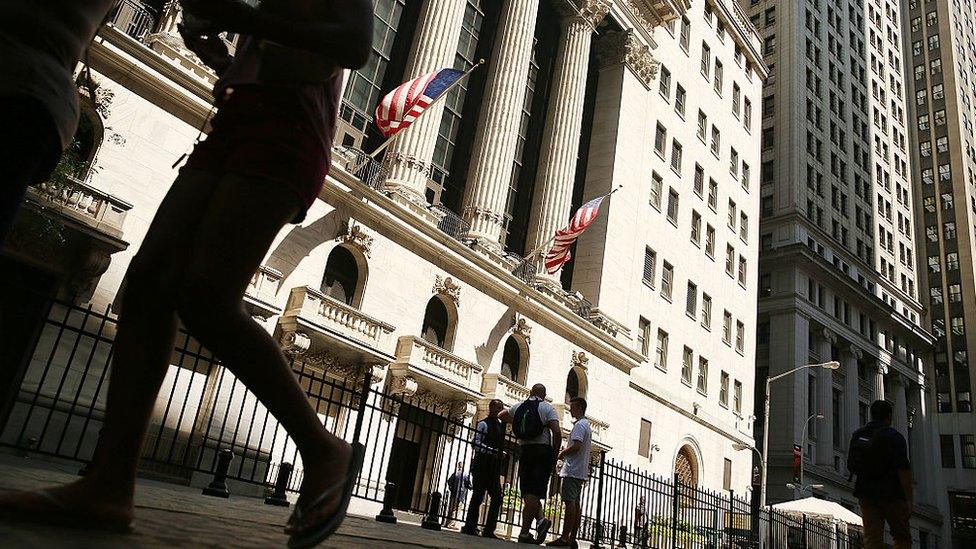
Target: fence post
x: 361, y: 411
x: 432, y: 520
x: 772, y: 524
x: 674, y: 511
x: 730, y: 517
x: 218, y: 486
x: 389, y: 496
x: 804, y: 546
x: 598, y: 533
x: 279, y: 498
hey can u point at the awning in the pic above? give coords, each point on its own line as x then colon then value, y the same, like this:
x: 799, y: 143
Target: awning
x: 819, y: 508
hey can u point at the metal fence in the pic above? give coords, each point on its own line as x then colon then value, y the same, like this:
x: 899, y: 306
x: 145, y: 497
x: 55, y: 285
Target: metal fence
x: 134, y: 18
x: 413, y: 445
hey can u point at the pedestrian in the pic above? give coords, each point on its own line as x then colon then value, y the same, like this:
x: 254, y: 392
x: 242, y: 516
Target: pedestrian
x: 260, y: 168
x: 458, y: 485
x: 575, y: 471
x: 878, y: 456
x: 640, y: 522
x: 41, y: 43
x: 536, y: 426
x: 489, y: 437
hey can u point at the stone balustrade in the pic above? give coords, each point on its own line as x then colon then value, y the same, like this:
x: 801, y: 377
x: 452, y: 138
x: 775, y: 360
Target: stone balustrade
x: 508, y: 391
x: 598, y: 426
x: 80, y: 201
x: 436, y: 362
x: 264, y: 284
x: 332, y: 314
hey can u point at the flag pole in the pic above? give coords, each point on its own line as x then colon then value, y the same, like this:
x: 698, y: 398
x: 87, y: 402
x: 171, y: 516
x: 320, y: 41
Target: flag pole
x: 443, y: 94
x: 553, y: 237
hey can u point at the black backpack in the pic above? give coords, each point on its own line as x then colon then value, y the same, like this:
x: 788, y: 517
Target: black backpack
x: 865, y: 455
x: 527, y: 423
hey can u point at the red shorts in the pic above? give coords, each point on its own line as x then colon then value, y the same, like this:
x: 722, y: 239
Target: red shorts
x: 264, y: 133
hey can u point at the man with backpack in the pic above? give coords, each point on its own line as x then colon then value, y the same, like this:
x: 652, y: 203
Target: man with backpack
x: 878, y: 456
x: 536, y: 426
x: 489, y: 438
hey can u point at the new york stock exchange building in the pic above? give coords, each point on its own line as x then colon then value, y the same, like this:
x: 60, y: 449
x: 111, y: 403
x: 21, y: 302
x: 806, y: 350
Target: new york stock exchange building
x: 409, y: 273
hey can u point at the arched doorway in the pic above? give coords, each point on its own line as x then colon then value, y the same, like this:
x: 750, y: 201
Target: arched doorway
x: 341, y: 279
x: 686, y: 472
x: 576, y: 384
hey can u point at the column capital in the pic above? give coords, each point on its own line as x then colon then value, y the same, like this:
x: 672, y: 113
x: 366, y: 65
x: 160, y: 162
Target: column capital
x: 590, y: 12
x: 829, y: 336
x: 624, y: 47
x: 854, y: 351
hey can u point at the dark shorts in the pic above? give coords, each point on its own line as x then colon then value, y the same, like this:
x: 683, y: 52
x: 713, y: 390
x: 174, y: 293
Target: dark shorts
x: 263, y: 133
x: 535, y: 468
x: 570, y: 488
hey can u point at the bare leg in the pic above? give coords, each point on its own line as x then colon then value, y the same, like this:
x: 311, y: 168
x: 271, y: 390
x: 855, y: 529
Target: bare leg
x: 233, y: 238
x: 572, y: 520
x: 146, y: 332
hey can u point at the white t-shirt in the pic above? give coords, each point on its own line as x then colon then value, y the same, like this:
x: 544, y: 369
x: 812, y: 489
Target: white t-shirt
x: 547, y: 413
x: 577, y: 464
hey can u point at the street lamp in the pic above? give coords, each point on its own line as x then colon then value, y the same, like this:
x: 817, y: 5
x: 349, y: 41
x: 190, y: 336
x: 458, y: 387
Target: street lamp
x: 804, y: 487
x: 832, y: 365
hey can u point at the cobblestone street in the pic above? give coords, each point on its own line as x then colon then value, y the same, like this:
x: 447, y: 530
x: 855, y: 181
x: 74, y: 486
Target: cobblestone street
x: 169, y: 515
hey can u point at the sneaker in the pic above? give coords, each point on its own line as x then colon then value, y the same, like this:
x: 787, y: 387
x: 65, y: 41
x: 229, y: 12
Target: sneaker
x: 541, y: 529
x: 527, y: 539
x: 489, y: 535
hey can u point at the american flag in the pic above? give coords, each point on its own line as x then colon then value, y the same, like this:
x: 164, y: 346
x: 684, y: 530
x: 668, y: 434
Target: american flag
x: 559, y: 253
x: 404, y: 104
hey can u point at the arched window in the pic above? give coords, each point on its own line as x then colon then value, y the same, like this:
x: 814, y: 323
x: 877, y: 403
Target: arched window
x: 341, y: 278
x: 512, y: 361
x: 572, y: 385
x: 436, y: 323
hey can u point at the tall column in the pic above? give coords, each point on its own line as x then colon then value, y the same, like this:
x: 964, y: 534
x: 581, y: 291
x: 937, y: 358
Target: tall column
x: 564, y: 120
x: 849, y: 359
x: 897, y: 397
x: 879, y: 380
x: 493, y: 155
x: 917, y: 436
x: 434, y: 47
x: 825, y: 386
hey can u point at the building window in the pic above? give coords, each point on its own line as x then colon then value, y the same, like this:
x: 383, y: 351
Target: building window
x: 684, y: 40
x: 948, y: 449
x: 661, y: 140
x: 699, y: 180
x: 967, y: 447
x: 712, y: 194
x: 673, y: 206
x: 702, y: 375
x: 513, y: 361
x: 723, y: 390
x: 742, y: 270
x: 644, y: 336
x: 695, y: 228
x: 687, y: 359
x: 727, y: 328
x: 341, y: 278
x: 702, y: 125
x: 437, y: 326
x: 650, y: 266
x: 680, y: 100
x: 710, y: 241
x: 744, y: 227
x: 747, y: 115
x: 667, y: 281
x: 718, y: 77
x: 727, y: 475
x: 644, y: 442
x: 740, y: 336
x: 664, y: 83
x: 732, y: 214
x: 737, y: 397
x: 691, y: 300
x: 657, y: 187
x: 661, y: 352
x: 706, y: 60
x: 706, y: 320
x: 729, y: 260
x: 736, y: 99
x: 716, y: 141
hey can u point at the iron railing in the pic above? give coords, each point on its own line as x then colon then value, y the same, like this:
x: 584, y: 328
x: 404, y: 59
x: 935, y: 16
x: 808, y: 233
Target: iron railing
x: 413, y: 443
x: 134, y: 18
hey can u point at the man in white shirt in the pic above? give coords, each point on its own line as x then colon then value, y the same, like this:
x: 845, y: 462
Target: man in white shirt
x: 536, y: 426
x: 575, y: 470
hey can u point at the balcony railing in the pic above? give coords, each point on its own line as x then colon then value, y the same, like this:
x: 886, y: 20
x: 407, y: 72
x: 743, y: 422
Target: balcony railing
x: 432, y: 360
x: 134, y: 18
x: 598, y: 426
x: 508, y: 391
x: 74, y: 198
x: 343, y: 319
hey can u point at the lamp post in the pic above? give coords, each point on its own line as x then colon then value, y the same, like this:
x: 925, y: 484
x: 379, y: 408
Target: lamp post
x: 803, y: 443
x: 832, y: 365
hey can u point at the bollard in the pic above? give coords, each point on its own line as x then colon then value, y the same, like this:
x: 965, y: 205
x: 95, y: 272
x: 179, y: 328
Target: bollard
x: 432, y: 520
x: 389, y: 496
x: 623, y: 535
x: 218, y: 486
x: 278, y: 498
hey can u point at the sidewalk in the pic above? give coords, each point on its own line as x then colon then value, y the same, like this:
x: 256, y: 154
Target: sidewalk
x: 169, y: 515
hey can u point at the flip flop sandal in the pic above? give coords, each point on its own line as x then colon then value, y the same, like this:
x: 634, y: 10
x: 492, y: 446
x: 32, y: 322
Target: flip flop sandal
x: 59, y: 514
x: 316, y: 533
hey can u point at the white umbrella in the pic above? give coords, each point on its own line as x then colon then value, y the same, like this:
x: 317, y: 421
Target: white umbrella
x: 820, y: 508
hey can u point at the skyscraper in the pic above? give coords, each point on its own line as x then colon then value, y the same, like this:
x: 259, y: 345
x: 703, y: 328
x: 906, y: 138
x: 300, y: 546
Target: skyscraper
x: 838, y: 278
x: 940, y: 49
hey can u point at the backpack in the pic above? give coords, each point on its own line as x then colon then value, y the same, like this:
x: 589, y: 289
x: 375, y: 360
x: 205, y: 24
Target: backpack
x: 865, y: 456
x: 527, y: 423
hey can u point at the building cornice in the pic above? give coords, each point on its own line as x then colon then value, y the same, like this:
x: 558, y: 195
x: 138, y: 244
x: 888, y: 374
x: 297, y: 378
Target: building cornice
x: 151, y: 76
x: 745, y: 33
x: 385, y: 216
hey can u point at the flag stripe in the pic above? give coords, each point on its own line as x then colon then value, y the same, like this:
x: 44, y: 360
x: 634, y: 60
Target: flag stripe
x: 403, y: 105
x: 559, y: 253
